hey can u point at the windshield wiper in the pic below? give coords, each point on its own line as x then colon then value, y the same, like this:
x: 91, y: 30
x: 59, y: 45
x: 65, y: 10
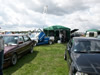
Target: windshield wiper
x: 94, y: 51
x: 81, y: 52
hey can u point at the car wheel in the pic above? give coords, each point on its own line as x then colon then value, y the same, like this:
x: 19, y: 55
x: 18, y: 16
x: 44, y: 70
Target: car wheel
x: 65, y: 57
x: 50, y: 42
x: 71, y: 71
x: 31, y: 49
x: 14, y: 59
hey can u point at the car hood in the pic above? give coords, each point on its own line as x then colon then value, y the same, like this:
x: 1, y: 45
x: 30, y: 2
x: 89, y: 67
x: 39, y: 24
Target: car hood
x: 8, y: 48
x: 34, y: 38
x: 87, y: 62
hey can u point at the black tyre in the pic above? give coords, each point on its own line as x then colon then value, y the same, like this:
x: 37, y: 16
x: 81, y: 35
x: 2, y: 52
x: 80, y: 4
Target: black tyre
x: 65, y: 57
x: 14, y: 59
x: 71, y: 71
x: 50, y: 42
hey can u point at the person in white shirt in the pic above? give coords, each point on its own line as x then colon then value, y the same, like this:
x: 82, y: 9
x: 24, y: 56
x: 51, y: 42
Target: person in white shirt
x: 60, y: 36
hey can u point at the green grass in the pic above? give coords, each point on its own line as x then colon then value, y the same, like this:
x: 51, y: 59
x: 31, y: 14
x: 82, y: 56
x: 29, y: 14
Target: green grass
x: 46, y: 60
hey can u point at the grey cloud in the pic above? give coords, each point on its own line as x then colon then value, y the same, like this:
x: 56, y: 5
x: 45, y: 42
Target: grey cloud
x: 40, y: 26
x: 30, y: 15
x: 66, y: 9
x: 15, y: 26
x: 54, y: 9
x: 9, y: 27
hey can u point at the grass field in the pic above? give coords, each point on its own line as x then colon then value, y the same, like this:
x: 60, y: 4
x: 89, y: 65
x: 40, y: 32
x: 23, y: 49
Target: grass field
x: 46, y: 60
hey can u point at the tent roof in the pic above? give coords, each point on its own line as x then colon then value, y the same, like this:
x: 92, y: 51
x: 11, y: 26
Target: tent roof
x: 56, y: 27
x: 96, y: 30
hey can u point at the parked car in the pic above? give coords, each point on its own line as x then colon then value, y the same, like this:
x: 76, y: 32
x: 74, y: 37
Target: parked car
x: 15, y: 46
x: 41, y: 38
x: 34, y: 36
x: 83, y: 56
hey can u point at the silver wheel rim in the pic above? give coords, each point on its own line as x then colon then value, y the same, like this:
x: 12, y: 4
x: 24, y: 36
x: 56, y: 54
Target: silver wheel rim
x: 64, y: 56
x: 14, y: 59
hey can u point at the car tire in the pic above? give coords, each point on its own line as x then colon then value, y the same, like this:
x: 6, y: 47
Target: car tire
x: 14, y: 59
x: 65, y: 57
x: 50, y: 42
x: 31, y: 49
x: 71, y: 71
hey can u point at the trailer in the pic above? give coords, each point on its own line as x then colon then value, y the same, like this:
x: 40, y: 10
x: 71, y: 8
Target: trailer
x: 92, y: 33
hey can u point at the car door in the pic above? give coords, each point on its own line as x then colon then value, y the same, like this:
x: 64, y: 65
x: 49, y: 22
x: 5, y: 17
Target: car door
x: 21, y: 45
x: 27, y: 42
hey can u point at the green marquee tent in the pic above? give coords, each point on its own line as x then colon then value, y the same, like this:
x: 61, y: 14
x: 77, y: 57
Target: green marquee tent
x: 94, y: 30
x: 56, y: 27
x: 55, y: 30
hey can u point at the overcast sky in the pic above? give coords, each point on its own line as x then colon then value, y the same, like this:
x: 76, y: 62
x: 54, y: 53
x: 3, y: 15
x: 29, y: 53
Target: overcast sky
x: 28, y: 14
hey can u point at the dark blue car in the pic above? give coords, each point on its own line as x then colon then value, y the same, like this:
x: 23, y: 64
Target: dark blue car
x: 83, y: 56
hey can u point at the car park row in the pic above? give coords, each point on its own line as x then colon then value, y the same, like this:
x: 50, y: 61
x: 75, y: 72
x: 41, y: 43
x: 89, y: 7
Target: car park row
x: 16, y: 45
x: 82, y: 53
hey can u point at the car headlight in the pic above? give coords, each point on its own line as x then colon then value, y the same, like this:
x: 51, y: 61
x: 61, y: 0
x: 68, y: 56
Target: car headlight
x: 80, y: 73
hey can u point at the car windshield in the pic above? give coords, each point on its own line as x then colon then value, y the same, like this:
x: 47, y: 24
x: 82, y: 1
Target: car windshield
x: 32, y: 35
x: 10, y: 40
x: 87, y: 46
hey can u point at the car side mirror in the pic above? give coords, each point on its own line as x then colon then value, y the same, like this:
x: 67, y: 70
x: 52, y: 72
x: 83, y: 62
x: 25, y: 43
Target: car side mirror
x: 69, y: 50
x: 20, y: 42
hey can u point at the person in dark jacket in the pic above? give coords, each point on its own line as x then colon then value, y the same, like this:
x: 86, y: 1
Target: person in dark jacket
x: 1, y: 54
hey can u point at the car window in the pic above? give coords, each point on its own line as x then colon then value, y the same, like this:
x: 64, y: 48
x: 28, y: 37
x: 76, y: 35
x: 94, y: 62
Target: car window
x: 95, y: 46
x: 82, y: 46
x: 26, y: 38
x: 10, y: 40
x: 21, y: 39
x: 87, y: 46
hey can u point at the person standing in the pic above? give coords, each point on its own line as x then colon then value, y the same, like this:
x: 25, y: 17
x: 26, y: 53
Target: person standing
x: 1, y: 54
x: 60, y: 36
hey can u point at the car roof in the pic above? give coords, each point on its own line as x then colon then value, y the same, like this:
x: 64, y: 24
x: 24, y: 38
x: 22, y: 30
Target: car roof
x: 85, y: 38
x: 12, y: 34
